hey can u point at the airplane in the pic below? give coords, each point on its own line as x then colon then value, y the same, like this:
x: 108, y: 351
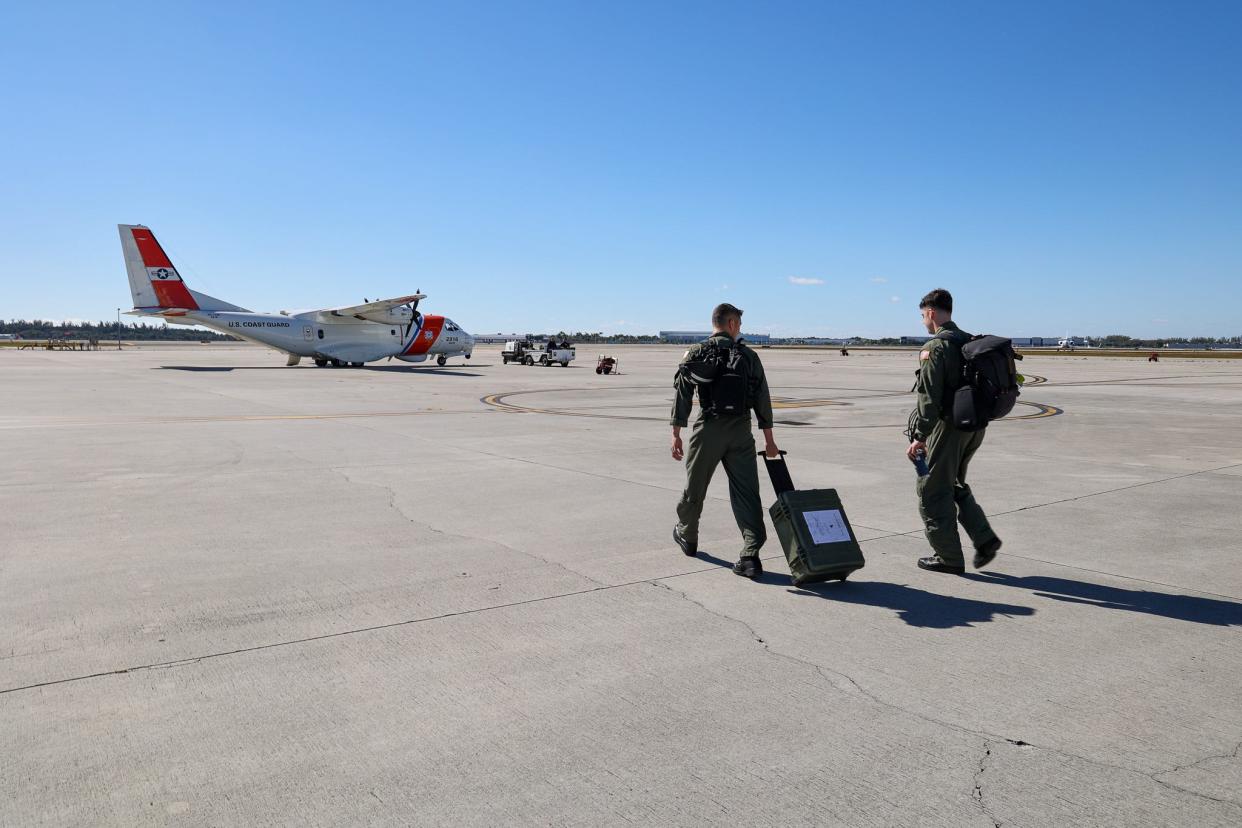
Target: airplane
x: 348, y: 335
x: 1067, y: 343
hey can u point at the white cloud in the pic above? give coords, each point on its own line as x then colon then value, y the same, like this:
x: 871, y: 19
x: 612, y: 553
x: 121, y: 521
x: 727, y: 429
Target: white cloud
x: 803, y: 280
x: 894, y: 299
x: 724, y: 286
x: 1160, y: 321
x: 879, y: 280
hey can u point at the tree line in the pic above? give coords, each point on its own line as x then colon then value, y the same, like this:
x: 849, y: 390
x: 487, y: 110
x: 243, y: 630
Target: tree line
x: 46, y: 329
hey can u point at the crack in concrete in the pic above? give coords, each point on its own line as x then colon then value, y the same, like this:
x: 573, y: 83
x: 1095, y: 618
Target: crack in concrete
x: 392, y: 504
x: 1155, y: 777
x: 846, y: 683
x: 1231, y: 755
x: 977, y: 794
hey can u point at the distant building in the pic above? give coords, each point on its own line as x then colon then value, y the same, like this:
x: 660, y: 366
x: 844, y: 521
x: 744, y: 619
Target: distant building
x: 814, y: 340
x: 493, y: 339
x: 683, y: 337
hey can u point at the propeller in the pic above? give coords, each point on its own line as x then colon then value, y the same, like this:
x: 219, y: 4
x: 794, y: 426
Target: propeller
x: 413, y: 306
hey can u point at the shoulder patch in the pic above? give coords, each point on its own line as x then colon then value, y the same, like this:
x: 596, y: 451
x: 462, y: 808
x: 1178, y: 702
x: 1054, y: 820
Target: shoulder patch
x: 924, y: 355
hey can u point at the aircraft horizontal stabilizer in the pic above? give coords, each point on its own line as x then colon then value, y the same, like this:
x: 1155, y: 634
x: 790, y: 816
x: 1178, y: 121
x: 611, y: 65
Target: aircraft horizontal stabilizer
x: 158, y: 311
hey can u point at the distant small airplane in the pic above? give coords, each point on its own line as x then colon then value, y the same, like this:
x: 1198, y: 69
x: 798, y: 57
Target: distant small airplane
x: 349, y: 335
x: 1067, y: 343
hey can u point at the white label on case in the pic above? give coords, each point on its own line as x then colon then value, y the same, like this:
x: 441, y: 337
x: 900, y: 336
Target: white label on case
x: 826, y: 526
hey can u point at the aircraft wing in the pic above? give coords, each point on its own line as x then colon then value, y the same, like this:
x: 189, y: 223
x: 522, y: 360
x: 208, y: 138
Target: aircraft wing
x: 365, y: 310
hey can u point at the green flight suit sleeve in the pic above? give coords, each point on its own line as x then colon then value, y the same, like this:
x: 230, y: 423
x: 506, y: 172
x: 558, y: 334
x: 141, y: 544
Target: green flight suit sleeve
x: 683, y: 392
x: 762, y: 402
x: 933, y: 379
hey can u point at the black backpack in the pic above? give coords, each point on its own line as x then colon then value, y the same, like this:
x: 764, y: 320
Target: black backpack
x: 722, y: 377
x: 989, y: 384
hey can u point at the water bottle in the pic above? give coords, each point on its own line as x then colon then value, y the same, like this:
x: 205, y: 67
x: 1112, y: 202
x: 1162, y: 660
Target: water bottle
x: 920, y: 463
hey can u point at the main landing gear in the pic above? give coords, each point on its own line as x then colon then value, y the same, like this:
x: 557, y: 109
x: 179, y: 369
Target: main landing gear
x: 320, y: 362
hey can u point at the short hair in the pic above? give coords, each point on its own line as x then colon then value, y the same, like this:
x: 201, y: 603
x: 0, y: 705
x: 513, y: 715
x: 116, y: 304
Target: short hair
x: 723, y: 312
x: 940, y: 299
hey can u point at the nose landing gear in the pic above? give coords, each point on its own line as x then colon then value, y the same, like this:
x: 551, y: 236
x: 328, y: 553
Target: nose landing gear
x: 441, y: 359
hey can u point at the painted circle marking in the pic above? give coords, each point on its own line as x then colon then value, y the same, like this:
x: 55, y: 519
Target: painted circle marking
x: 502, y: 402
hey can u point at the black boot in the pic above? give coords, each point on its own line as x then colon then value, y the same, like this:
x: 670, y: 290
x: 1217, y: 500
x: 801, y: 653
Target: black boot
x: 985, y: 554
x: 748, y: 567
x: 934, y: 564
x: 687, y: 548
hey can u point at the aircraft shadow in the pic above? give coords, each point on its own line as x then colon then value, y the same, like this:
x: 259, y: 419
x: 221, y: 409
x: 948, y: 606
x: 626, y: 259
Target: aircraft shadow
x: 916, y: 607
x: 447, y: 371
x: 194, y: 368
x: 1194, y: 608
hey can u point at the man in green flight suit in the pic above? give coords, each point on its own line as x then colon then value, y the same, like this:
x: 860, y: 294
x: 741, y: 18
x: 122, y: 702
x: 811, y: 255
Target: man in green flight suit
x: 730, y: 382
x: 944, y: 497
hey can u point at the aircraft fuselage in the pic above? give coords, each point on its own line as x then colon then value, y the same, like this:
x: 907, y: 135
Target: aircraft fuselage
x: 349, y: 340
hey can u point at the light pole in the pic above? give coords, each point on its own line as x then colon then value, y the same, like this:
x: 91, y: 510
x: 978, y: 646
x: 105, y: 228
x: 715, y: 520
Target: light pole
x: 118, y: 329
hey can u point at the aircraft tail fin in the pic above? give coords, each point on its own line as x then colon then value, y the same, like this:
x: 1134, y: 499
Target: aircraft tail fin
x: 153, y: 281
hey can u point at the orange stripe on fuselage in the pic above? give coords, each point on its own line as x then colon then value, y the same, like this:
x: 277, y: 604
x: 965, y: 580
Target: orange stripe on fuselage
x: 432, y: 325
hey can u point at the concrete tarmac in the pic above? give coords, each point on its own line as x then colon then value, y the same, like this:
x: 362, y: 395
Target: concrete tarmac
x: 236, y: 593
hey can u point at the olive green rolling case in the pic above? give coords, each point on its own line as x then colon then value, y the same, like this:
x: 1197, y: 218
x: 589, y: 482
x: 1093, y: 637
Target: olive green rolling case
x: 816, y: 535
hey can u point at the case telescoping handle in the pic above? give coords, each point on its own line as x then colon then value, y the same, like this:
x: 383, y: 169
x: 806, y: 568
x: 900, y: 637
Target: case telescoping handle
x: 778, y: 472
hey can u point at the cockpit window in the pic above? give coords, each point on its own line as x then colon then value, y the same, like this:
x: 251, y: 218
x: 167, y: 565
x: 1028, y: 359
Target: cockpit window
x: 452, y: 326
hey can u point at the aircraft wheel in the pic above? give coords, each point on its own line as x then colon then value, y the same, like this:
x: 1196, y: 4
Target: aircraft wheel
x: 356, y: 364
x: 320, y: 362
x: 440, y: 360
x: 336, y: 363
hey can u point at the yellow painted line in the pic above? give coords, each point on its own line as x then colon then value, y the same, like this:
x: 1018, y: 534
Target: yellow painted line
x: 1044, y: 411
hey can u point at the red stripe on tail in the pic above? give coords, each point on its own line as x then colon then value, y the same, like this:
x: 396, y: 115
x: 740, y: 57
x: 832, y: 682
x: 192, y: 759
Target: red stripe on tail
x: 174, y: 295
x: 152, y: 254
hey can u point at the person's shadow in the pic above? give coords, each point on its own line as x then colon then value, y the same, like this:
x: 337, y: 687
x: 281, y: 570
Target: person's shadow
x: 916, y: 607
x: 1194, y: 608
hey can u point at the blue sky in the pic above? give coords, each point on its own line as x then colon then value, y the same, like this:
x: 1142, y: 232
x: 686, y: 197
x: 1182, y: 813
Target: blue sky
x: 625, y: 166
